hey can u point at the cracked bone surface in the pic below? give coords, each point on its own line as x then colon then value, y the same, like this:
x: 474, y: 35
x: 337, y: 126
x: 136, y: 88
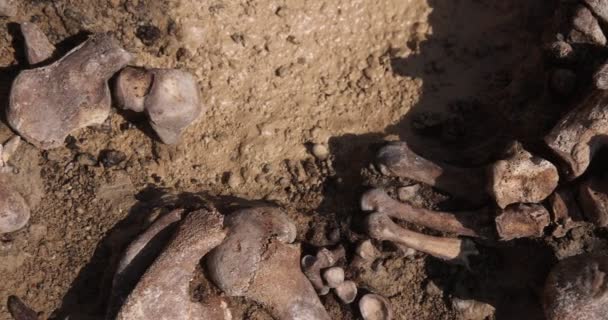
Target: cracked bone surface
x: 586, y: 28
x: 577, y: 288
x: 48, y: 103
x: 522, y: 177
x: 580, y: 133
x: 257, y: 261
x: 593, y: 199
x: 163, y: 291
x: 381, y: 227
x: 398, y: 159
x: 375, y: 307
x: 169, y: 97
x: 14, y: 210
x: 38, y: 48
x: 522, y: 221
x: 467, y: 223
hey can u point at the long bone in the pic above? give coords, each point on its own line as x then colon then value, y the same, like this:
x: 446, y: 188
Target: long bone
x: 520, y: 177
x: 163, y: 291
x: 465, y: 223
x: 381, y: 227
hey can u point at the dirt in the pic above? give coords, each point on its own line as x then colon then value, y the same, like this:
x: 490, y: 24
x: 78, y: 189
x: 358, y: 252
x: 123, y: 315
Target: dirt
x: 454, y: 78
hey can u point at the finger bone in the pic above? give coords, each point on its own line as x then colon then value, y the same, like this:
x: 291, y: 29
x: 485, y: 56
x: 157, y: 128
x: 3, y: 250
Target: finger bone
x: 381, y: 227
x: 474, y: 224
x: 347, y: 291
x: 375, y: 307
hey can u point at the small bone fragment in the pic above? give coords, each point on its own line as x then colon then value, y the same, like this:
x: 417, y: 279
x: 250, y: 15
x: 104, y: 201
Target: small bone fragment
x: 365, y: 254
x: 561, y: 51
x: 347, y: 291
x: 9, y: 148
x: 565, y: 210
x: 48, y: 103
x: 593, y: 198
x: 255, y: 262
x: 138, y: 256
x: 466, y: 183
x: 8, y: 8
x: 578, y: 135
x: 311, y: 266
x: 163, y: 291
x: 522, y: 221
x: 467, y: 223
x: 14, y: 211
x: 522, y: 177
x: 333, y: 276
x: 19, y: 310
x: 586, y: 28
x: 577, y: 288
x: 38, y: 48
x: 169, y: 97
x: 472, y: 309
x: 599, y: 8
x: 600, y: 77
x: 375, y: 307
x: 381, y: 227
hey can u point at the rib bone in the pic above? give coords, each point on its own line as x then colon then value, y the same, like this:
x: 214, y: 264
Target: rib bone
x: 381, y: 227
x: 466, y: 223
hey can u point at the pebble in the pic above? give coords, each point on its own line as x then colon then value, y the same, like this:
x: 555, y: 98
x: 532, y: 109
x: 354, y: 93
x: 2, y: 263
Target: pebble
x: 408, y: 193
x: 86, y: 159
x: 110, y: 158
x: 234, y: 180
x: 320, y: 151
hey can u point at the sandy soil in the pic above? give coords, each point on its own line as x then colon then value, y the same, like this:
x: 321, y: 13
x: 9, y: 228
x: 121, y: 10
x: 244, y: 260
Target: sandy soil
x: 278, y: 76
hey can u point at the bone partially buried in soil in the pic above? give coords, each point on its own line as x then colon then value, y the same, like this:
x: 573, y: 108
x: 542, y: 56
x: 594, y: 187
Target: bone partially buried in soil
x: 257, y: 261
x: 14, y: 211
x: 169, y: 97
x: 48, y: 103
x: 375, y: 307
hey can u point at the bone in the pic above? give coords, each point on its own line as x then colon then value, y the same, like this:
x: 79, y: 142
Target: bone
x: 312, y: 266
x: 138, y: 256
x: 163, y: 291
x: 169, y: 97
x: 467, y: 223
x: 19, y: 310
x: 600, y: 77
x: 254, y: 263
x: 577, y: 136
x: 586, y: 28
x: 8, y: 8
x: 465, y: 183
x: 38, y: 48
x: 375, y: 307
x: 599, y: 8
x: 381, y: 227
x: 333, y: 276
x: 9, y: 148
x: 577, y: 288
x: 14, y: 211
x: 593, y: 199
x: 347, y: 291
x: 365, y: 254
x: 522, y: 177
x: 566, y: 213
x: 522, y: 221
x: 472, y: 309
x: 48, y: 103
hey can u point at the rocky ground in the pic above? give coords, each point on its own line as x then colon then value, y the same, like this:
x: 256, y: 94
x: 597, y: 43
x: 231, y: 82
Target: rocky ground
x: 298, y: 96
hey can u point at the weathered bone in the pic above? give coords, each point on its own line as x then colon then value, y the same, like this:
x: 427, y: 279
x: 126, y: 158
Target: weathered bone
x: 333, y: 276
x: 521, y: 177
x: 586, y: 27
x: 565, y: 210
x: 375, y: 307
x: 466, y: 223
x: 599, y: 8
x: 577, y: 288
x: 347, y: 291
x: 381, y: 227
x: 163, y: 291
x: 593, y: 199
x: 14, y: 211
x: 19, y: 310
x: 577, y: 136
x: 38, y: 48
x: 48, y: 103
x: 522, y: 221
x: 253, y: 263
x: 600, y: 77
x: 467, y: 183
x: 169, y: 97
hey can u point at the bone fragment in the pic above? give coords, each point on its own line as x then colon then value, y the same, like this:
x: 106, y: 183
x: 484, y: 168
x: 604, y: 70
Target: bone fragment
x: 38, y: 48
x: 522, y: 221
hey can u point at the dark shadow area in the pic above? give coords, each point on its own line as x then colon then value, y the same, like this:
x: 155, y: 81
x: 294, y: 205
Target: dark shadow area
x: 89, y: 294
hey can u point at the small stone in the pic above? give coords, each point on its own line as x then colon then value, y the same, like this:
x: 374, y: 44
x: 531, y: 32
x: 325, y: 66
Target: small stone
x: 234, y: 180
x: 408, y: 193
x: 86, y: 159
x: 38, y: 48
x: 320, y: 151
x: 110, y: 158
x: 367, y: 251
x: 333, y: 276
x: 148, y: 34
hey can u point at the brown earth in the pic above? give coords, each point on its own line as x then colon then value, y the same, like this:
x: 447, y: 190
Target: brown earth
x: 454, y: 78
